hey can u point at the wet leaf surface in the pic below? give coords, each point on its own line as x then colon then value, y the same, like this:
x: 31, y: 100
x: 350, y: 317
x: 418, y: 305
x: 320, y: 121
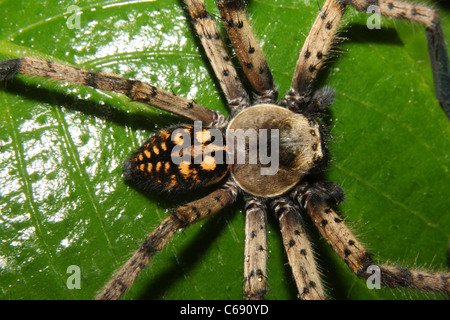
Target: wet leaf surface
x: 63, y: 199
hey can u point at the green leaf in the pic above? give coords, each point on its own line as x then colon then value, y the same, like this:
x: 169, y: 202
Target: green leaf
x: 63, y: 200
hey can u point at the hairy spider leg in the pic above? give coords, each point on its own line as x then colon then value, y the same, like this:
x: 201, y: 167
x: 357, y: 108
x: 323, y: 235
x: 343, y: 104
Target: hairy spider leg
x: 134, y: 89
x: 182, y: 217
x: 435, y: 38
x: 322, y: 37
x: 247, y: 50
x: 315, y: 51
x: 317, y: 200
x: 255, y: 252
x: 298, y: 249
x: 208, y: 32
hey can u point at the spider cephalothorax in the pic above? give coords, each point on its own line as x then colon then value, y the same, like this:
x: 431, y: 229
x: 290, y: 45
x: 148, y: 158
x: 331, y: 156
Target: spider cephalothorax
x: 265, y: 152
x: 299, y: 149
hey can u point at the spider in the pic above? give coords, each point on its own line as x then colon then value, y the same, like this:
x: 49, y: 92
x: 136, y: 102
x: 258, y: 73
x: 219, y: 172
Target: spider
x: 306, y: 191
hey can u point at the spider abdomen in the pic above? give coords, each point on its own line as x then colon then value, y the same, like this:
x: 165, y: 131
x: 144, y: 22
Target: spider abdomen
x: 178, y: 160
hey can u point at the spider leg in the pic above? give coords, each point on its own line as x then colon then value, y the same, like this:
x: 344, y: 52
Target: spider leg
x: 209, y: 35
x: 181, y: 217
x: 247, y: 49
x: 322, y: 35
x: 255, y: 256
x: 298, y: 249
x: 134, y: 89
x: 313, y: 54
x: 317, y: 200
x: 435, y: 38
